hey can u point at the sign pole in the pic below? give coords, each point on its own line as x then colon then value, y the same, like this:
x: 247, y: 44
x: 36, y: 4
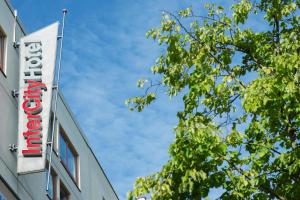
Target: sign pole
x: 56, y: 97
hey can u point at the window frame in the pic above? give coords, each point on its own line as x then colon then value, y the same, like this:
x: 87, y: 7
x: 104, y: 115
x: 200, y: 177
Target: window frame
x: 3, y: 50
x: 65, y: 162
x: 55, y: 132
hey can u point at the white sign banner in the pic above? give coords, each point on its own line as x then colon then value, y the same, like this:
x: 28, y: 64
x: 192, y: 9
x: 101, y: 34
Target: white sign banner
x: 37, y: 64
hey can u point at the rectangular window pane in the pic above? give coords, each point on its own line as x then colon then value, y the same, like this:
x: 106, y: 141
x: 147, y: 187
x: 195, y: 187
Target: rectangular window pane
x: 71, y: 163
x: 1, y: 51
x: 50, y: 127
x: 68, y: 156
x: 62, y: 149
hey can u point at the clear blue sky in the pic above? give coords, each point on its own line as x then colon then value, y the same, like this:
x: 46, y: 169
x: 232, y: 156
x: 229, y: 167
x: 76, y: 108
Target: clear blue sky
x: 105, y: 53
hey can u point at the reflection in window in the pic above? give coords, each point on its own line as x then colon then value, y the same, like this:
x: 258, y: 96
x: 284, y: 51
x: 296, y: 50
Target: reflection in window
x: 62, y: 149
x: 71, y: 162
x: 2, y: 49
x: 68, y: 155
x: 2, y: 197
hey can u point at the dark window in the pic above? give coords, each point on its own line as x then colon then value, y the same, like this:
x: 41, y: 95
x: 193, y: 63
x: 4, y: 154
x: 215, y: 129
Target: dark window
x: 2, y: 196
x: 55, y: 136
x: 68, y: 155
x: 50, y: 127
x: 2, y: 49
x: 64, y: 193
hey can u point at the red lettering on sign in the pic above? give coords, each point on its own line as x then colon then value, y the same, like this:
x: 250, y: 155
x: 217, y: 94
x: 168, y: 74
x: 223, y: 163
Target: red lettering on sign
x: 34, y: 117
x: 34, y: 125
x: 36, y: 85
x: 32, y: 152
x: 32, y: 133
x: 32, y: 106
x: 32, y: 110
x: 34, y: 142
x: 33, y: 94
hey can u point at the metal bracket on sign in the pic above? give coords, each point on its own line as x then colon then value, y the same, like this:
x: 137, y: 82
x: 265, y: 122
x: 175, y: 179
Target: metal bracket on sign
x: 15, y: 93
x: 13, y: 147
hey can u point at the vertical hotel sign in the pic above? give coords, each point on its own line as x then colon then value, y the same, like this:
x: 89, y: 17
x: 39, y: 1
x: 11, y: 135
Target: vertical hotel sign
x: 37, y: 64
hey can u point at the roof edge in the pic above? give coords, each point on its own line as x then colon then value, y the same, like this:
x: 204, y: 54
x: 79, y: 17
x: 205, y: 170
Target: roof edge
x: 11, y: 8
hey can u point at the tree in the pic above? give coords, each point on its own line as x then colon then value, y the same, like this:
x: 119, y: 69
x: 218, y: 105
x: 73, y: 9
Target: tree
x: 239, y: 129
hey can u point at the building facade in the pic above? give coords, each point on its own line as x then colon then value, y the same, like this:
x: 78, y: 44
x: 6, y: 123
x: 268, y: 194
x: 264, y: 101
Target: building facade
x: 75, y: 173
